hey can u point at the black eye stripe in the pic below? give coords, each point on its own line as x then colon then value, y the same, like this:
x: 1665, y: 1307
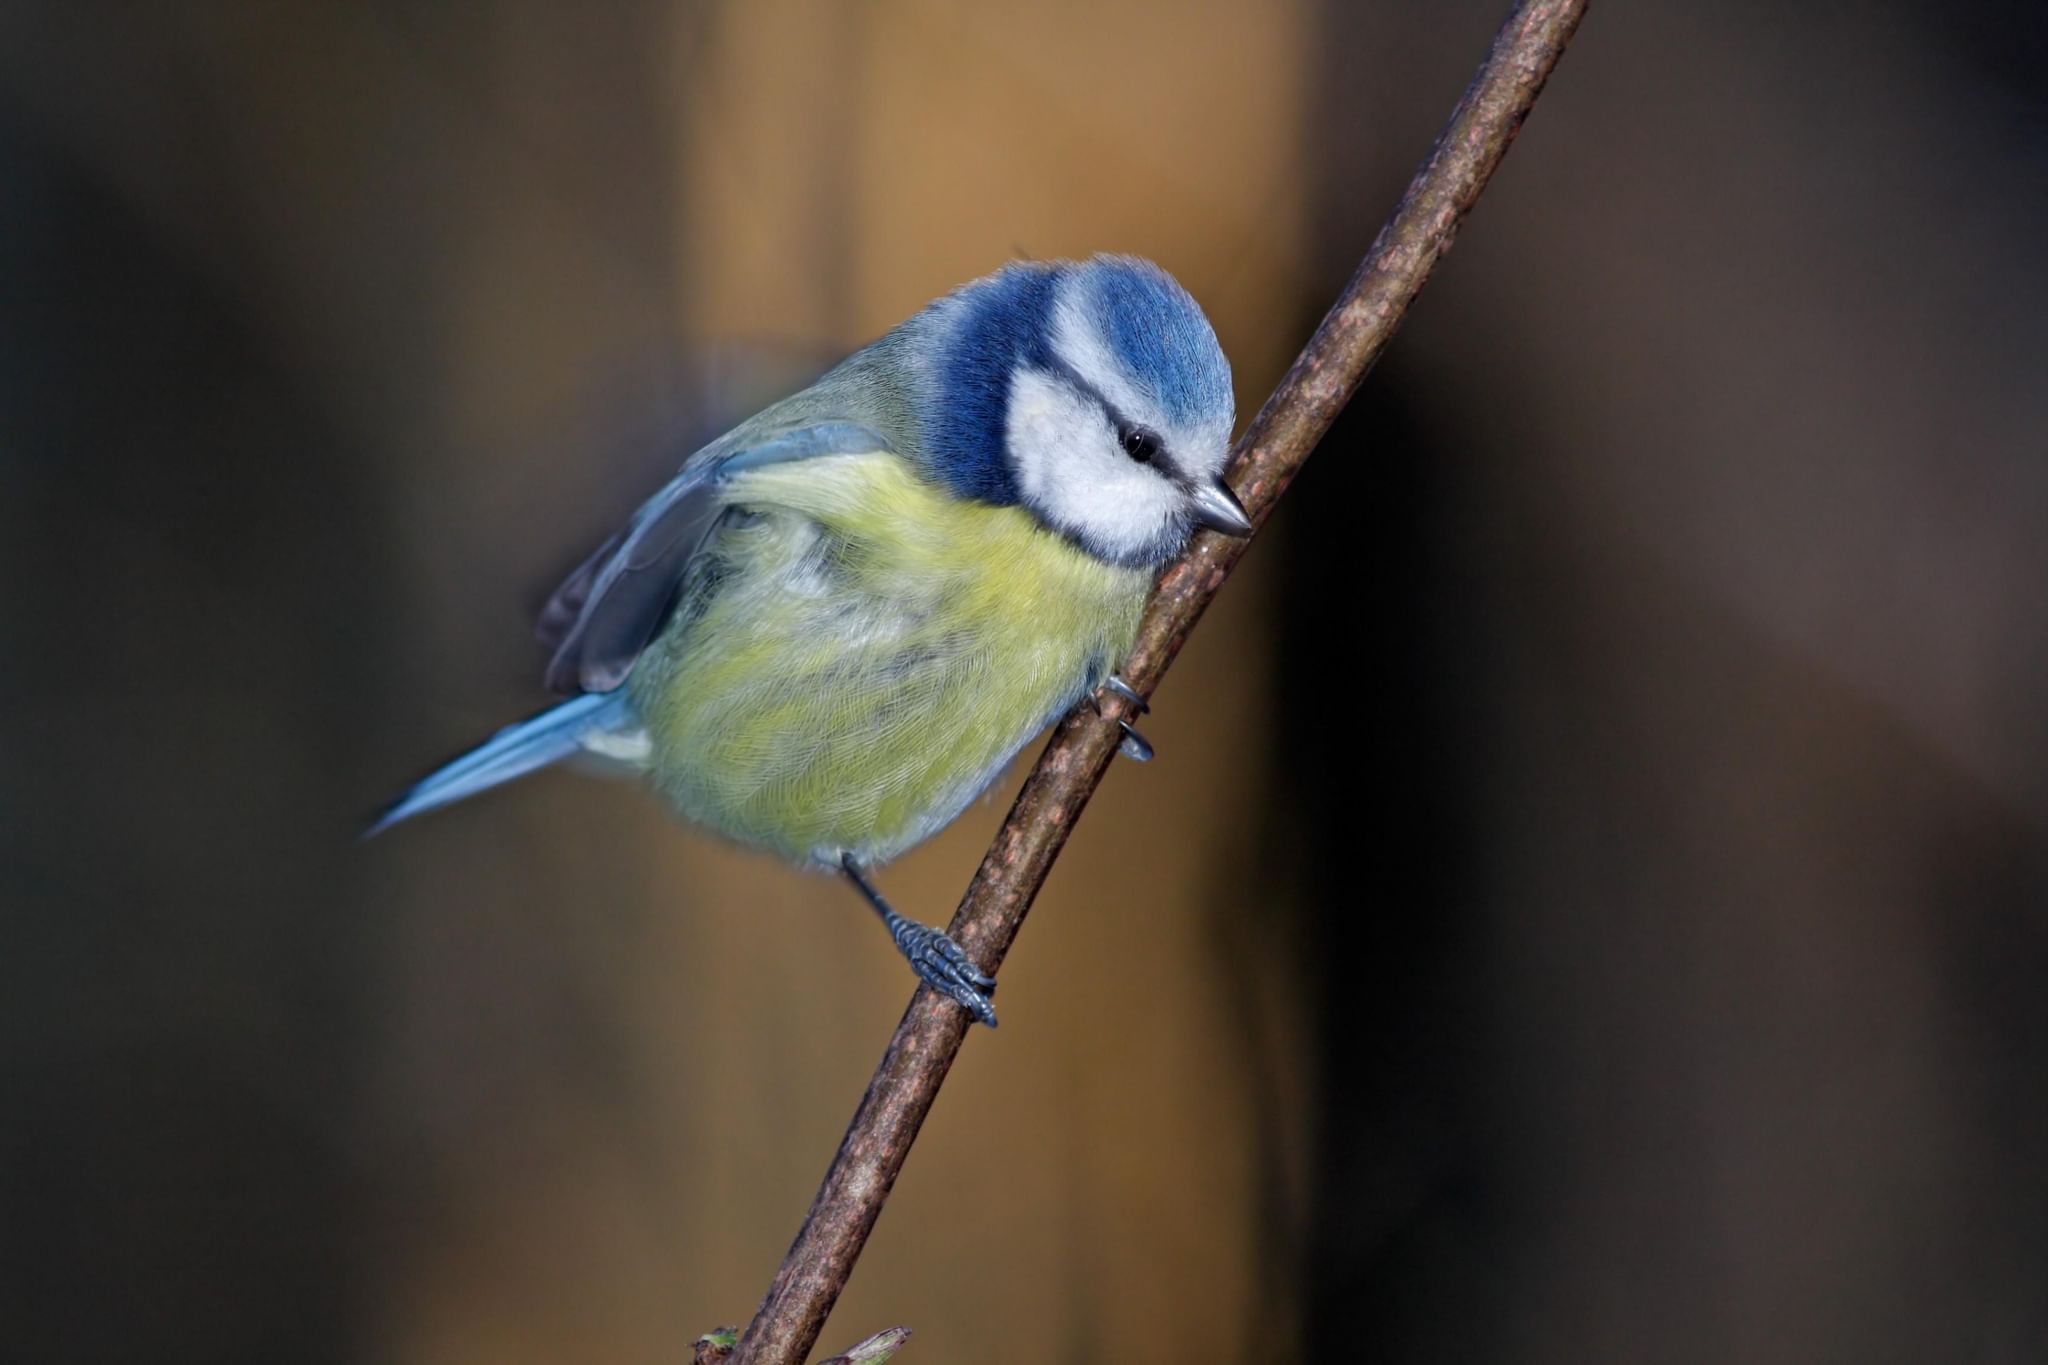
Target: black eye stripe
x: 1139, y: 442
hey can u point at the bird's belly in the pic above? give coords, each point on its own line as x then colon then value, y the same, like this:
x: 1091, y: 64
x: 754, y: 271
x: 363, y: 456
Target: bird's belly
x: 826, y: 705
x: 816, y: 746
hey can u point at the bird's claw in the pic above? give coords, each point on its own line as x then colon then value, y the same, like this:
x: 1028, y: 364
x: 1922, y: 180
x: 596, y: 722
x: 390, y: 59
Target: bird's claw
x: 941, y: 964
x: 1133, y: 745
x: 1127, y: 692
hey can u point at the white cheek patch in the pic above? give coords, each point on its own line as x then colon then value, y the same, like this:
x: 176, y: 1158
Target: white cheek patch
x: 1073, y: 474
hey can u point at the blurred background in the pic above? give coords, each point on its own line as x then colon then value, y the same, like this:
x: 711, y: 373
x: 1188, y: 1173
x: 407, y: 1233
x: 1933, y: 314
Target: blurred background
x: 1594, y: 873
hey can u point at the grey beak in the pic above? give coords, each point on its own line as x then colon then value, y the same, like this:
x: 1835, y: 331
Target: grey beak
x: 1217, y: 508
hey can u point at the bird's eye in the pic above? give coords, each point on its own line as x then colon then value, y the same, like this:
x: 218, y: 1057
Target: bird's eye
x: 1139, y: 443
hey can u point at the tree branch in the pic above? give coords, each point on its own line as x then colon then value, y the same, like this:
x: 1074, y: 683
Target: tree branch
x: 1272, y: 450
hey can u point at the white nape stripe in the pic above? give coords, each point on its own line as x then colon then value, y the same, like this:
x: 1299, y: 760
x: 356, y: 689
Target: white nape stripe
x: 1079, y: 342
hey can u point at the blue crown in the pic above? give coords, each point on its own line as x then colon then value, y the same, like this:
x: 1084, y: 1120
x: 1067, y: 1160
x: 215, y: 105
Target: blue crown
x: 1162, y: 337
x: 1155, y: 327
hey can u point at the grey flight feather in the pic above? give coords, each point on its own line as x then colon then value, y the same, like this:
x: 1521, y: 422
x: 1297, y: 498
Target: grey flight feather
x: 603, y: 616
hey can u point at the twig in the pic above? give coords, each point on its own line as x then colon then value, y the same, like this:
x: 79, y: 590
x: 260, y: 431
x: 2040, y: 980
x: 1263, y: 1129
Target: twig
x: 1268, y: 456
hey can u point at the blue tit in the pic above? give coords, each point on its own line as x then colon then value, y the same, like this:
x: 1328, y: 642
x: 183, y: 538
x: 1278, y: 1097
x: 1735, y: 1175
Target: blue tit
x: 840, y: 621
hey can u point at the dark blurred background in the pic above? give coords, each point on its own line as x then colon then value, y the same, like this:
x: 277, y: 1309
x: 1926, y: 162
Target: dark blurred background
x: 1595, y: 867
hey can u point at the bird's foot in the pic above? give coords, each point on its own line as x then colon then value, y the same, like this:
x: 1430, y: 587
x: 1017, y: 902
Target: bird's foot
x: 943, y: 966
x: 1133, y: 745
x: 1127, y: 692
x: 937, y: 960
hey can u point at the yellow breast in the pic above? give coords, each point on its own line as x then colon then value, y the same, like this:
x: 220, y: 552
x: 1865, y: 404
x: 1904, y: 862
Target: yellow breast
x: 858, y: 655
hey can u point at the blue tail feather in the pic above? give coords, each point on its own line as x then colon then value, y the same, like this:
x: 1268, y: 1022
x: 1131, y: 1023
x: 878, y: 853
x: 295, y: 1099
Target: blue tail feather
x: 514, y: 751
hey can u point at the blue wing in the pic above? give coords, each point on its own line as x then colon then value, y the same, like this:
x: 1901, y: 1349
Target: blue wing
x: 602, y: 617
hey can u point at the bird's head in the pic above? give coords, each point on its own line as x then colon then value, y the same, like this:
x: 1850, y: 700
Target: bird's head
x: 1094, y: 395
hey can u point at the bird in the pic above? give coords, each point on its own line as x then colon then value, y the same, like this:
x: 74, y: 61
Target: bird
x: 838, y: 623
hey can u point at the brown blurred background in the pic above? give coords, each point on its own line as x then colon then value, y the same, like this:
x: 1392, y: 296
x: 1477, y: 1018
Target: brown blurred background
x: 1593, y: 880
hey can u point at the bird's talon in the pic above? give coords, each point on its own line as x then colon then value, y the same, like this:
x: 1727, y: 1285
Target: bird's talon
x: 1133, y: 745
x: 941, y: 964
x: 1127, y: 692
x: 937, y: 960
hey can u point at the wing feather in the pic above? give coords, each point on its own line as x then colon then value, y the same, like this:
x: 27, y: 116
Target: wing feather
x: 602, y: 617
